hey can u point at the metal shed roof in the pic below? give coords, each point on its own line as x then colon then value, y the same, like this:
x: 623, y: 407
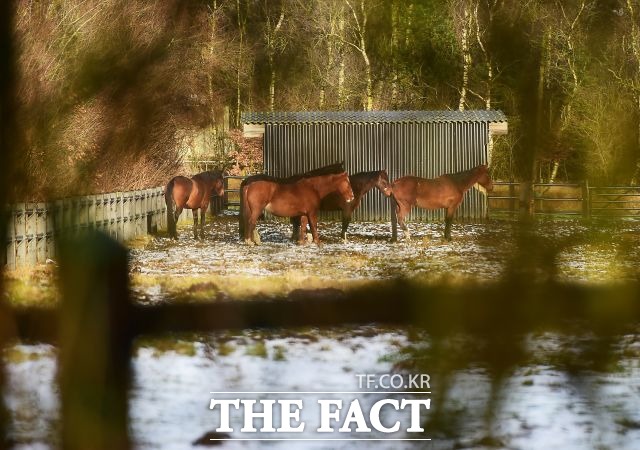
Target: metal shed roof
x: 373, y: 116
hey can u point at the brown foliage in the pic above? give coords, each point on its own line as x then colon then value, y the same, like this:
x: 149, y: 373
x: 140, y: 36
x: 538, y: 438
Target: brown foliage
x: 247, y: 154
x: 104, y: 89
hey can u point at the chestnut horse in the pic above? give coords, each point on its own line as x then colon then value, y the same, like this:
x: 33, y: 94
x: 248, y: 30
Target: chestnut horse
x: 192, y: 193
x: 446, y: 191
x: 298, y: 198
x: 326, y: 170
x: 361, y: 183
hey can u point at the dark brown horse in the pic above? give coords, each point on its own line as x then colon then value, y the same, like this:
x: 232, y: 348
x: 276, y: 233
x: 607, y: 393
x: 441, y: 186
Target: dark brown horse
x: 446, y: 191
x: 192, y: 193
x: 297, y: 198
x: 361, y: 183
x: 326, y: 170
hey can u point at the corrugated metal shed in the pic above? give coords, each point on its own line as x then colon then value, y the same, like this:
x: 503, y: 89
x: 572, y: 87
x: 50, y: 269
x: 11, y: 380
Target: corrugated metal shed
x: 422, y: 143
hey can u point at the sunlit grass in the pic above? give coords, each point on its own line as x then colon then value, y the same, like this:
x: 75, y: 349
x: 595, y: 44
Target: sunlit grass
x: 33, y: 286
x: 208, y: 287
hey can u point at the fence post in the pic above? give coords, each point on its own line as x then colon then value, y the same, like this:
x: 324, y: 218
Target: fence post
x: 41, y: 232
x: 586, y: 200
x: 12, y: 237
x: 526, y: 199
x: 512, y: 195
x: 95, y: 335
x: 30, y: 235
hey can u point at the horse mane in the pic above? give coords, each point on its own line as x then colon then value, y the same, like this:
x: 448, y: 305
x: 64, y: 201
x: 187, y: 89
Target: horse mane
x: 331, y: 169
x: 464, y: 176
x: 357, y: 180
x: 210, y: 174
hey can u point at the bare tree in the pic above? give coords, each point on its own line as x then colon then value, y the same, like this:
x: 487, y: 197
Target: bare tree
x: 356, y: 38
x: 464, y: 20
x: 628, y: 75
x: 274, y: 43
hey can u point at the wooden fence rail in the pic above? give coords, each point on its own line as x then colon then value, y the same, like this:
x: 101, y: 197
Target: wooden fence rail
x: 34, y: 227
x: 568, y: 199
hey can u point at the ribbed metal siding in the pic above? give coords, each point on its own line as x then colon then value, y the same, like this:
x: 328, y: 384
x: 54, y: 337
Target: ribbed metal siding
x: 402, y: 148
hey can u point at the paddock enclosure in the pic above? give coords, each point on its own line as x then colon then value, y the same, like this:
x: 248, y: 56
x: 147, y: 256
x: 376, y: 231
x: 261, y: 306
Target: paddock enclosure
x: 422, y: 143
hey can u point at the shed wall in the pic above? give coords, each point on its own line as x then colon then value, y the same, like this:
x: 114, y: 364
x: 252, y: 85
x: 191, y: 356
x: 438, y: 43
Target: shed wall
x: 424, y: 149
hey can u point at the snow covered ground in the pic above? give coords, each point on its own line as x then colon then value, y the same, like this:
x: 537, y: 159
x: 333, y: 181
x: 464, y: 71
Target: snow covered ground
x: 538, y: 405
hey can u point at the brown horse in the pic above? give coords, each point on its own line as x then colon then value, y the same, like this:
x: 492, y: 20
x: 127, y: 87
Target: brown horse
x: 446, y: 191
x: 192, y: 193
x: 299, y: 198
x: 326, y: 170
x: 361, y: 183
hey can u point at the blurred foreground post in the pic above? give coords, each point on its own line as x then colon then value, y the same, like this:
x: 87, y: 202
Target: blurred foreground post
x: 95, y: 343
x: 9, y: 132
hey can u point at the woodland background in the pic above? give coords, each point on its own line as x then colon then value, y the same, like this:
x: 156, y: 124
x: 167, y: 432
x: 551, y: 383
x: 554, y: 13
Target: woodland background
x: 112, y: 94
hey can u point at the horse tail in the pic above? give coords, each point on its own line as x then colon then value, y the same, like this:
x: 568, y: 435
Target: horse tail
x: 168, y: 199
x: 394, y: 217
x: 244, y: 210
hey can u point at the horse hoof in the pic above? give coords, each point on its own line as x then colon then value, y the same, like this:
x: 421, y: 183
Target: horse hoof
x: 249, y: 242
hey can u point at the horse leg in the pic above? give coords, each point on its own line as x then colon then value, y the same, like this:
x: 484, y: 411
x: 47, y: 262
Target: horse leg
x: 251, y: 236
x: 203, y: 212
x: 346, y: 220
x: 176, y: 214
x: 448, y: 220
x: 302, y: 230
x: 195, y: 223
x: 295, y: 222
x: 313, y: 223
x: 402, y: 212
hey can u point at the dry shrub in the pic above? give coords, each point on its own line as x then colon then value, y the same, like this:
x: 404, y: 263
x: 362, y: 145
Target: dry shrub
x: 247, y: 156
x: 105, y: 88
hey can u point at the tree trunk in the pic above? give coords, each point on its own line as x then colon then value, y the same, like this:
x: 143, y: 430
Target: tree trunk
x: 341, y: 68
x: 636, y: 174
x: 239, y: 66
x: 368, y: 106
x: 394, y: 52
x: 407, y: 35
x: 272, y: 88
x: 554, y: 171
x: 466, y: 59
x: 635, y: 46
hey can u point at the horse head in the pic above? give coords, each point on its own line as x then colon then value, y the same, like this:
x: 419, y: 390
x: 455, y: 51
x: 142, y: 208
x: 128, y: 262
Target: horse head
x: 382, y: 183
x: 217, y: 180
x: 344, y: 187
x: 483, y: 178
x: 218, y: 186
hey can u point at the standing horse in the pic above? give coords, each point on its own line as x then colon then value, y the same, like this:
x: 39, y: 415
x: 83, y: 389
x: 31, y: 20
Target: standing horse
x: 326, y: 170
x: 361, y: 183
x: 192, y: 193
x: 446, y: 191
x: 298, y: 198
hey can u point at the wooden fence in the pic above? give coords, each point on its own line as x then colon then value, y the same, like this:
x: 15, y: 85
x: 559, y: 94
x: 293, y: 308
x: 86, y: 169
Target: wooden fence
x: 578, y: 199
x: 34, y: 227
